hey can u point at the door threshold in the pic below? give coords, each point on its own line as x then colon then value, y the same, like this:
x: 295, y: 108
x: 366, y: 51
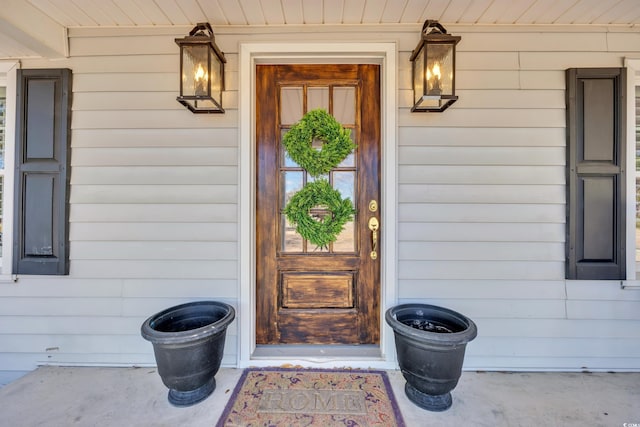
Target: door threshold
x: 318, y: 353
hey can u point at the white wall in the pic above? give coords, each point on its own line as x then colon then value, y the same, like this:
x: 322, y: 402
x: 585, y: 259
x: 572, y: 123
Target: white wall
x: 154, y: 218
x: 482, y: 206
x: 153, y: 212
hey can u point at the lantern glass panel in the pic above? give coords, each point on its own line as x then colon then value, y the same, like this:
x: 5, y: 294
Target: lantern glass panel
x: 439, y: 69
x: 418, y: 77
x: 216, y: 77
x: 195, y: 78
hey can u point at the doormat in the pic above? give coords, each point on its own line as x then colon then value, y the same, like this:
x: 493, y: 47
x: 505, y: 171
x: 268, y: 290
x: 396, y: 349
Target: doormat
x: 312, y: 397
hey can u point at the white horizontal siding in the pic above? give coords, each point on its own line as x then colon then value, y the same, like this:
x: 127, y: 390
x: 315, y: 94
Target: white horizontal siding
x: 154, y: 213
x: 582, y: 363
x: 148, y: 119
x: 561, y: 61
x: 482, y: 207
x: 494, y: 212
x: 554, y: 328
x: 490, y: 156
x: 505, y: 98
x: 112, y: 194
x: 466, y: 60
x: 492, y: 118
x: 154, y: 175
x: 603, y: 310
x: 62, y: 306
x: 480, y: 232
x: 482, y: 251
x: 155, y: 156
x: 547, y: 41
x: 488, y: 290
x: 157, y: 250
x: 160, y: 269
x: 227, y: 290
x: 479, y: 270
x: 464, y: 174
x: 153, y: 231
x: 559, y: 347
x: 461, y: 193
x: 482, y: 137
x: 92, y: 343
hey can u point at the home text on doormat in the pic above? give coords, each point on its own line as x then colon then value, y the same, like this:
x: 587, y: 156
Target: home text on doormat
x: 311, y: 397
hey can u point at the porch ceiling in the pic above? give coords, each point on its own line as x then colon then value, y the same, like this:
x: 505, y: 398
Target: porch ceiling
x: 37, y: 27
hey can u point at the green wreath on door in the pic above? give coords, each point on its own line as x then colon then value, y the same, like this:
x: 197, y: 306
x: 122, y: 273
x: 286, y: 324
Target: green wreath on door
x: 337, y: 145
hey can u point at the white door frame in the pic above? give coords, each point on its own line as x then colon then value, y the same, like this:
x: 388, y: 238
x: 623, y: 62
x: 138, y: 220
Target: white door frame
x: 251, y: 54
x: 633, y: 79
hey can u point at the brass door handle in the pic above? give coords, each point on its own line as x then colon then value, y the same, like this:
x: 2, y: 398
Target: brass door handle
x: 374, y: 225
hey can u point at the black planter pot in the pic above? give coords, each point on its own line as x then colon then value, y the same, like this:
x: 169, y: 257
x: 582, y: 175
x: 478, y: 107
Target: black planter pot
x: 188, y: 343
x: 430, y: 345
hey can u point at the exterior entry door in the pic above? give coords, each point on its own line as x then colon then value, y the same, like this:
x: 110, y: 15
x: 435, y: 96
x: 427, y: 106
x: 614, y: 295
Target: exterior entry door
x: 307, y: 294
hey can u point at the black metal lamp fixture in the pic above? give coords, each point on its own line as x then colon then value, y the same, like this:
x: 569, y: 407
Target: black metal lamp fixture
x: 434, y: 69
x: 201, y: 71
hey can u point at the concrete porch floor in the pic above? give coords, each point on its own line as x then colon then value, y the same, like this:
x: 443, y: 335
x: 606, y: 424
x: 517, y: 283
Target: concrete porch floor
x: 59, y: 396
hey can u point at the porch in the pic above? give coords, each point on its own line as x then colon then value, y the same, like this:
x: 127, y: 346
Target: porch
x: 59, y: 396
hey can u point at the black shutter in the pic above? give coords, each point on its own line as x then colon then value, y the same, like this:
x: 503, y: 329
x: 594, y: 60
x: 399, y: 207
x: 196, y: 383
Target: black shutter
x: 596, y: 151
x: 42, y: 165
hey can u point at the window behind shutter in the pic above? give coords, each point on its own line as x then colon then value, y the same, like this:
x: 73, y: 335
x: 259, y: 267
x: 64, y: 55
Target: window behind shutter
x: 595, y: 173
x: 42, y: 172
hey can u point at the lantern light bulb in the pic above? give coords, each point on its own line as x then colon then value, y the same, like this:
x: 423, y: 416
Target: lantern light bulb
x: 200, y: 73
x: 436, y: 70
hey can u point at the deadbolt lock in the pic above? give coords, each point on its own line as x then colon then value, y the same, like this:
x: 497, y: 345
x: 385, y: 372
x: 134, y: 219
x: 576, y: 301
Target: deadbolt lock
x: 373, y: 206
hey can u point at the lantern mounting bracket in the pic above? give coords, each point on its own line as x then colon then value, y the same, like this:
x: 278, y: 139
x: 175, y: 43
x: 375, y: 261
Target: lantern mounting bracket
x: 434, y: 25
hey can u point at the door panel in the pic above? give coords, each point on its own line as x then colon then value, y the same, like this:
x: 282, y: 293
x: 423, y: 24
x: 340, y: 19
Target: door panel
x: 306, y: 294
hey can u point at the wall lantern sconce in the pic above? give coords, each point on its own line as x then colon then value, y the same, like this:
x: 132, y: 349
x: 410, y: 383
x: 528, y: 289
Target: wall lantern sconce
x: 201, y: 71
x: 433, y: 64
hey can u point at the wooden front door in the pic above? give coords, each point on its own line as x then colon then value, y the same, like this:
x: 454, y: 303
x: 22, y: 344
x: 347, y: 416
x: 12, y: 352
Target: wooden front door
x: 306, y: 294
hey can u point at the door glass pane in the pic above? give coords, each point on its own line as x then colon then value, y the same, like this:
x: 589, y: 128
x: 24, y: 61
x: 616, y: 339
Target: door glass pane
x: 317, y: 97
x: 287, y: 161
x: 291, y: 240
x: 346, y: 241
x: 344, y: 182
x: 344, y: 109
x: 292, y: 183
x: 290, y: 105
x: 344, y: 105
x: 312, y: 179
x: 350, y: 160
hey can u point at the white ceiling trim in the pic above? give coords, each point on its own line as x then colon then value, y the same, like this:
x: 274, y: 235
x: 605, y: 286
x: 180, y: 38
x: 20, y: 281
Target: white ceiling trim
x: 74, y: 13
x: 33, y: 29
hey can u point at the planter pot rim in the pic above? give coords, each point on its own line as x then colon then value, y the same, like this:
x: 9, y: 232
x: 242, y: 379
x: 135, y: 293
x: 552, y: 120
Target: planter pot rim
x: 191, y: 335
x: 445, y: 339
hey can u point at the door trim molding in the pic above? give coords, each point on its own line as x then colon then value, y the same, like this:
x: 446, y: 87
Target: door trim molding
x: 633, y: 80
x: 251, y: 54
